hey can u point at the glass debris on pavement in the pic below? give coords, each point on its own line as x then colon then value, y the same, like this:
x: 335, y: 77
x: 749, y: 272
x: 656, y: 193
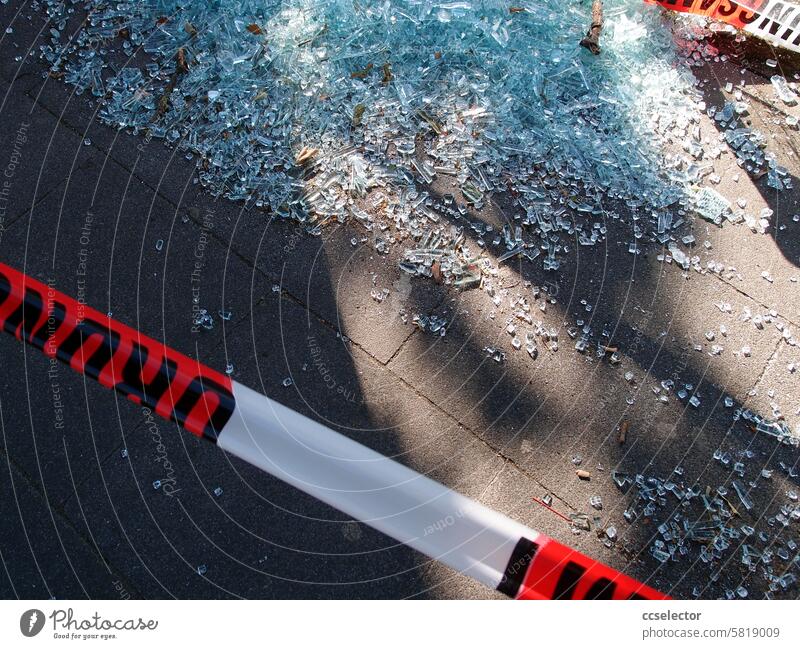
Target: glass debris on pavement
x: 409, y: 116
x: 434, y: 324
x: 407, y: 120
x: 718, y: 526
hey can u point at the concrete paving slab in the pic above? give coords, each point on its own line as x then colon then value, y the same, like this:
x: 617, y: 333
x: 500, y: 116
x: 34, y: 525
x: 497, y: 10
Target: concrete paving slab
x: 776, y: 392
x: 59, y: 427
x: 107, y: 238
x: 19, y: 48
x: 544, y: 413
x: 36, y: 155
x: 655, y: 323
x: 96, y: 239
x: 162, y: 167
x: 746, y: 254
x: 337, y: 383
x: 335, y: 280
x: 43, y: 557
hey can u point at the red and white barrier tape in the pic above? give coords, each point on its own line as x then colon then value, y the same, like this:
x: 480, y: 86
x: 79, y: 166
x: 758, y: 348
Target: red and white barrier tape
x: 366, y: 485
x: 776, y: 21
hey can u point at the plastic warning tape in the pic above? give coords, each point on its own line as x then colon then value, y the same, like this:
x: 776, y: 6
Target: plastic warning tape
x: 366, y: 485
x: 776, y: 21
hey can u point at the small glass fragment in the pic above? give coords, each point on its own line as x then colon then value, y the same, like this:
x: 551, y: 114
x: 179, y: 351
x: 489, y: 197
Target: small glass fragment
x: 711, y: 205
x: 203, y: 319
x: 783, y: 91
x: 742, y: 493
x: 497, y: 355
x: 580, y: 522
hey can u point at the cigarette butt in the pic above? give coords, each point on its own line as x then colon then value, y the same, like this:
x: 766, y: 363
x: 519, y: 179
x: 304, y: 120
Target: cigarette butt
x: 583, y: 475
x: 623, y: 432
x: 436, y: 271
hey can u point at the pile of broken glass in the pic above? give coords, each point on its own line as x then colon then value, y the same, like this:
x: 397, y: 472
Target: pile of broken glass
x: 407, y: 116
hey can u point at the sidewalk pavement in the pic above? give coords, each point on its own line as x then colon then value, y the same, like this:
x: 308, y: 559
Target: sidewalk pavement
x: 123, y: 224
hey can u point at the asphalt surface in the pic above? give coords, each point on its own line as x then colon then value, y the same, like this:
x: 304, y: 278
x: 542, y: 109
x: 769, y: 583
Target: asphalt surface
x: 122, y: 223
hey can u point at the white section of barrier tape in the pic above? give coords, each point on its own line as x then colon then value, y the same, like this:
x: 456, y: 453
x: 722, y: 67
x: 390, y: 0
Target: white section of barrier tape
x: 371, y: 487
x: 778, y: 23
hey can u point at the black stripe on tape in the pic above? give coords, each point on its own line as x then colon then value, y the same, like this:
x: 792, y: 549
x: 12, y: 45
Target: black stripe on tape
x: 568, y: 580
x: 517, y: 567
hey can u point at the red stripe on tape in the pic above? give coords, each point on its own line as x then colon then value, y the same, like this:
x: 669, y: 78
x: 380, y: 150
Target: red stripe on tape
x: 147, y: 372
x: 559, y: 572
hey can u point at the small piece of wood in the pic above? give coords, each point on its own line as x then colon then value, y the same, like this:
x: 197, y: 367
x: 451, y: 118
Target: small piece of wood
x: 592, y: 39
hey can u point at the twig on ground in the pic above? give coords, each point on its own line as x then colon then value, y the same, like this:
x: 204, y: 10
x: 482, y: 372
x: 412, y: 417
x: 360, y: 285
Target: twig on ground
x: 592, y: 39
